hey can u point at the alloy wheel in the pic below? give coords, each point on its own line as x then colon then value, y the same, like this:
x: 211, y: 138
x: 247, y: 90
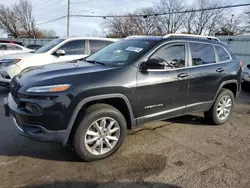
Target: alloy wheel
x: 102, y: 136
x: 224, y: 107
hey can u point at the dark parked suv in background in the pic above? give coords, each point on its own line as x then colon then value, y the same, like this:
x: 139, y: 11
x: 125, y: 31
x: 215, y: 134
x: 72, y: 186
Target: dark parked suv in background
x: 93, y: 102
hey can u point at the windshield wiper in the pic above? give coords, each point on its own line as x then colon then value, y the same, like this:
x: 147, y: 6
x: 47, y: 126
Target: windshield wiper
x: 95, y: 62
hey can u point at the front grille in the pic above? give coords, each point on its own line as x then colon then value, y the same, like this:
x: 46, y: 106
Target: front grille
x: 14, y: 88
x: 4, y: 75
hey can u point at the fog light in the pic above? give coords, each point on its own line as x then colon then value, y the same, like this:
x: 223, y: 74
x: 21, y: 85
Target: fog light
x: 33, y: 108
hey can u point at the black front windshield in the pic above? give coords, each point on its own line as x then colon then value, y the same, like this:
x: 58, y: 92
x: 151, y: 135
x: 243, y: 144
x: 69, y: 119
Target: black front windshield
x: 122, y: 52
x: 49, y: 46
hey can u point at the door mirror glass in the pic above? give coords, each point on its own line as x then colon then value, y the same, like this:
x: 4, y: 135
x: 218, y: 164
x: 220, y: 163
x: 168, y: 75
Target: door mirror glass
x: 154, y: 63
x: 60, y: 53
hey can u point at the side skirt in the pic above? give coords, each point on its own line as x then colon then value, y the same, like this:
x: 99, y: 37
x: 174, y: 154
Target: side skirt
x: 180, y: 111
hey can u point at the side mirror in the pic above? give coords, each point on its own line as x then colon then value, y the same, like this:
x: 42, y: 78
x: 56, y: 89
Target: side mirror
x: 154, y: 63
x: 59, y: 53
x: 248, y: 66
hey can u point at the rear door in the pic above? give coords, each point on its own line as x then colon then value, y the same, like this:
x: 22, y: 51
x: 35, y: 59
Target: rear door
x: 207, y: 72
x: 73, y: 50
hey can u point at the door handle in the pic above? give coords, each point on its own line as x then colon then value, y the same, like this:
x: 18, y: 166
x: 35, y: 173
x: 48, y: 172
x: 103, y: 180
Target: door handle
x: 220, y: 70
x: 183, y: 75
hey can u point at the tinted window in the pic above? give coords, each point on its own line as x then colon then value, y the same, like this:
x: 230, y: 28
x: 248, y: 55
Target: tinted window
x: 3, y: 47
x: 174, y: 55
x: 202, y: 54
x: 13, y: 47
x: 122, y: 52
x: 223, y: 55
x: 96, y: 45
x: 76, y: 47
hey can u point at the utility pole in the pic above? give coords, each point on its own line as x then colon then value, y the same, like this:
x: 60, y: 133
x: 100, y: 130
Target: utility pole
x: 68, y: 16
x: 231, y: 24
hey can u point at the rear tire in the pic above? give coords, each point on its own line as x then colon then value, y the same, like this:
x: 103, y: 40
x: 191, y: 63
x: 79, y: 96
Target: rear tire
x: 100, y: 133
x: 221, y: 110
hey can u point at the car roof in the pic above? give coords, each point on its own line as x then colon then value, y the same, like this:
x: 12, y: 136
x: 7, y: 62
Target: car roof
x: 11, y: 42
x: 6, y: 43
x: 90, y: 38
x: 142, y: 37
x: 195, y: 38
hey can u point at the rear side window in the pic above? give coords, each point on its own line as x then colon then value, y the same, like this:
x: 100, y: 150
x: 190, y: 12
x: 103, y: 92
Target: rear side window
x: 222, y: 54
x: 96, y: 45
x: 202, y: 54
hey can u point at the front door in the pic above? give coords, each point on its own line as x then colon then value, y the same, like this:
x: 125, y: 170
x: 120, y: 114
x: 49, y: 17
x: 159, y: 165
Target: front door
x: 162, y: 93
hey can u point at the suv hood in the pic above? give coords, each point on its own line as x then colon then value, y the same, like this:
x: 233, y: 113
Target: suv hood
x: 41, y: 75
x: 17, y: 55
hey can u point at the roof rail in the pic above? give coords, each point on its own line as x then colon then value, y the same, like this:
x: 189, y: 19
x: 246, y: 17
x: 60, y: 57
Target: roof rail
x: 189, y: 35
x: 135, y: 36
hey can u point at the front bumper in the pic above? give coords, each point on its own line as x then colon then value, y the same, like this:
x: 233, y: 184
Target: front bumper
x: 32, y: 131
x: 4, y: 79
x: 6, y: 73
x: 245, y: 76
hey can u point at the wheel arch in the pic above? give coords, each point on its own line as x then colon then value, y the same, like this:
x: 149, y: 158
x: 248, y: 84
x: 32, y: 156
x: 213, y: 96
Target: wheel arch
x: 229, y: 84
x: 108, y: 99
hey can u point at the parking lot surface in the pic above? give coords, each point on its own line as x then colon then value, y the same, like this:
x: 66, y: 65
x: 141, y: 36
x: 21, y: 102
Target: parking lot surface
x: 180, y: 152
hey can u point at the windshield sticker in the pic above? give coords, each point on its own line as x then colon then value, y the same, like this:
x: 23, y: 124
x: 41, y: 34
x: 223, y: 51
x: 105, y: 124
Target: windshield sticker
x: 134, y: 49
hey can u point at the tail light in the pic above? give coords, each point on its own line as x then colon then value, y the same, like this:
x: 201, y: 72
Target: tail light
x: 241, y: 64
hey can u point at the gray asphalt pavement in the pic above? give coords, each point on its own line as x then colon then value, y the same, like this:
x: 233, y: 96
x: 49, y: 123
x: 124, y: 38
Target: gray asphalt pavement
x: 180, y: 152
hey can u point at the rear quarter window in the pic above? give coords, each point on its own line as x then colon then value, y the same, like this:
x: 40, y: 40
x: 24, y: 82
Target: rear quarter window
x: 222, y: 54
x: 202, y: 53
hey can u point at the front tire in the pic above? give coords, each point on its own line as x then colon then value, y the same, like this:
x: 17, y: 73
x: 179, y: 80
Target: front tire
x: 221, y: 110
x: 100, y: 133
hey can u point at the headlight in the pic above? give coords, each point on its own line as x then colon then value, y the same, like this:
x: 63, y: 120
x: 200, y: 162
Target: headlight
x: 15, y: 61
x: 8, y: 62
x: 51, y: 88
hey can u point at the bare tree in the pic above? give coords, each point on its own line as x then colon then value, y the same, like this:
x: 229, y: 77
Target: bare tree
x: 9, y: 21
x: 247, y: 15
x: 204, y: 21
x: 118, y: 27
x: 145, y: 25
x: 48, y: 33
x: 18, y: 20
x: 23, y: 11
x: 171, y: 23
x: 133, y: 25
x: 202, y: 18
x: 215, y: 20
x: 189, y: 19
x: 231, y: 27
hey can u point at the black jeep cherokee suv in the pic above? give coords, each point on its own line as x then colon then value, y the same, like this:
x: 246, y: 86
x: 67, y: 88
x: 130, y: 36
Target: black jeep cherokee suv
x: 136, y: 80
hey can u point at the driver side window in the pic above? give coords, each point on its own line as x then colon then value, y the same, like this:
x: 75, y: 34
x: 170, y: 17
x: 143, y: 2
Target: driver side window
x: 173, y: 55
x: 76, y: 47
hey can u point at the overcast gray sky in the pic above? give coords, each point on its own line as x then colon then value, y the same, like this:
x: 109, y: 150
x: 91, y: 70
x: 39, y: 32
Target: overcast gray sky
x: 48, y: 9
